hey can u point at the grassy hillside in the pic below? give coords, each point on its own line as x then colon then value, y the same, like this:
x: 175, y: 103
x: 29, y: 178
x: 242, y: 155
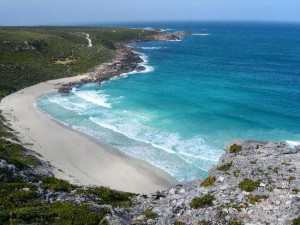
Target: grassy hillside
x: 29, y: 55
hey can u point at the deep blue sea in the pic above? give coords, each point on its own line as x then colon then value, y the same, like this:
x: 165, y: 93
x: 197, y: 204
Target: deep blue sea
x: 226, y: 81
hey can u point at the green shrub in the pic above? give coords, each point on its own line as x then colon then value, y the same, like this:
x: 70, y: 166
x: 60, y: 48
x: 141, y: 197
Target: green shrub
x: 179, y: 223
x: 200, y: 202
x: 16, y: 154
x: 55, y: 184
x: 203, y: 222
x: 150, y: 214
x: 234, y: 223
x: 208, y: 182
x: 235, y: 148
x: 296, y: 221
x: 236, y: 173
x: 109, y: 196
x: 249, y: 185
x: 256, y: 198
x: 58, y: 213
x: 225, y: 167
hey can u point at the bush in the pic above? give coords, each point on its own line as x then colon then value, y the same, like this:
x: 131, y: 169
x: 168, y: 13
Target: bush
x: 55, y: 184
x: 235, y: 148
x: 255, y: 198
x: 234, y: 223
x: 201, y: 202
x: 249, y: 185
x: 150, y: 214
x: 225, y: 167
x: 296, y: 221
x: 109, y: 196
x: 208, y: 182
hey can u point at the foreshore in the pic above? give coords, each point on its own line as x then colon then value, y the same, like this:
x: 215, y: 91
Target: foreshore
x: 74, y: 156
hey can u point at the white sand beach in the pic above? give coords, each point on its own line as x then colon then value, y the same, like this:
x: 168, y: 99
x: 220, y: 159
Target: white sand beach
x: 75, y: 156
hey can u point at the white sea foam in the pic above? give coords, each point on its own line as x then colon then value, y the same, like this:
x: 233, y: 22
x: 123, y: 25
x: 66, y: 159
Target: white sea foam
x: 151, y: 48
x: 164, y: 30
x: 148, y: 28
x: 293, y: 144
x: 64, y: 102
x: 175, y: 40
x: 171, y: 143
x: 200, y: 34
x: 93, y: 97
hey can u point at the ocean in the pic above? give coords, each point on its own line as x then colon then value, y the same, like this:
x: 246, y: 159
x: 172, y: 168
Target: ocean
x: 226, y: 81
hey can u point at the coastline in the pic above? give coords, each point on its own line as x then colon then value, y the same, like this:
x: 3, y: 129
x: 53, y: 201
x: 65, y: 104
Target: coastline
x: 75, y: 156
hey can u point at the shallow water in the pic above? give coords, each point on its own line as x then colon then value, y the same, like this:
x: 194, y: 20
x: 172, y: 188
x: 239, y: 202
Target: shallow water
x: 226, y: 81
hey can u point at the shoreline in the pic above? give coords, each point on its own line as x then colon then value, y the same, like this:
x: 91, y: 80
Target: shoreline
x: 77, y: 157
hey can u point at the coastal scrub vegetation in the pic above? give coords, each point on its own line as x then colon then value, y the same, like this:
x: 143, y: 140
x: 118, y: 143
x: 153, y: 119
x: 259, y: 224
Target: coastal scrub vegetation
x: 200, y: 202
x: 29, y: 55
x: 235, y: 148
x: 208, y: 182
x: 296, y: 221
x: 225, y: 167
x: 249, y: 185
x: 150, y: 214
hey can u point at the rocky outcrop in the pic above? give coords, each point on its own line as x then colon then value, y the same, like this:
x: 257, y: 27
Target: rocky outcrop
x: 126, y: 61
x: 253, y: 183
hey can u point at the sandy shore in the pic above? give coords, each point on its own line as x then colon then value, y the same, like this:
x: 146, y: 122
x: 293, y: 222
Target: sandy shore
x: 82, y: 159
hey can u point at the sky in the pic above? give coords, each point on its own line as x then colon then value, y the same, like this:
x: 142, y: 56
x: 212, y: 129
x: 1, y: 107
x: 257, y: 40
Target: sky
x: 77, y: 12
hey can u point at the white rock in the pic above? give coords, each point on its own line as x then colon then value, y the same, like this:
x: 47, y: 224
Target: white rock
x: 182, y: 191
x: 262, y: 185
x: 221, y: 179
x: 225, y: 210
x: 26, y: 189
x: 172, y: 191
x: 223, y: 187
x: 232, y: 211
x: 277, y: 202
x: 140, y: 218
x: 288, y: 203
x: 268, y: 207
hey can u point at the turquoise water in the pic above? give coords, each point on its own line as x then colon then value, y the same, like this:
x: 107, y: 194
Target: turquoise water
x: 226, y: 81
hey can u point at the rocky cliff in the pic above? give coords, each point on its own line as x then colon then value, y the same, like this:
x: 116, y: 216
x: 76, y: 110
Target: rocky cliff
x: 253, y: 183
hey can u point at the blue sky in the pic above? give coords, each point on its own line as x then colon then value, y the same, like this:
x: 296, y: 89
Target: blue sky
x: 52, y: 12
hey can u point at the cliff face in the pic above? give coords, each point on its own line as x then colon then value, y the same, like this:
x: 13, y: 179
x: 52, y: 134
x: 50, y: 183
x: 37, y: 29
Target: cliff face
x: 253, y: 183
